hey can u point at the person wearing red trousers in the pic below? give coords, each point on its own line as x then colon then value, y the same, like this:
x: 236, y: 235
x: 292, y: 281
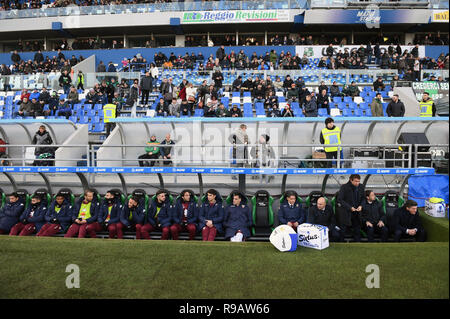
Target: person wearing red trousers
x: 159, y: 215
x: 84, y: 213
x: 58, y: 217
x: 108, y: 216
x: 10, y: 213
x: 184, y: 215
x: 32, y: 219
x: 211, y: 215
x: 131, y: 218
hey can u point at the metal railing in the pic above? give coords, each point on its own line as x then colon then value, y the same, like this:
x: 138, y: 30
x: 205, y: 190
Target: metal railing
x: 154, y: 7
x: 401, y: 155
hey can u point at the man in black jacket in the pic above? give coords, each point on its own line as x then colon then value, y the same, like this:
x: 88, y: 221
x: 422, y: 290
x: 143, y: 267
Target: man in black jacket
x: 146, y: 86
x: 395, y: 108
x: 322, y: 214
x: 350, y: 199
x: 373, y: 218
x: 407, y: 222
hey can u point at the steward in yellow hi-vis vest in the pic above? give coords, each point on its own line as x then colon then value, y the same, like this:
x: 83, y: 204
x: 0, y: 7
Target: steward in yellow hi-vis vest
x: 109, y: 112
x: 427, y: 107
x: 331, y: 134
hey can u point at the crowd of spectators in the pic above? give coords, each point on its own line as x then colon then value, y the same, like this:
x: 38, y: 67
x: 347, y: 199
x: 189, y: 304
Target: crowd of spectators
x: 38, y: 4
x: 40, y: 64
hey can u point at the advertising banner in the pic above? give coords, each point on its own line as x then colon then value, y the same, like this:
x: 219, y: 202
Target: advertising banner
x: 437, y: 90
x: 235, y: 16
x: 318, y: 51
x: 371, y: 16
x: 439, y: 16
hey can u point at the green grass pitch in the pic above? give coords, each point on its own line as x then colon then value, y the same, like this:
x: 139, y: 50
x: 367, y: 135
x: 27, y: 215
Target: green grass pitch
x: 35, y: 268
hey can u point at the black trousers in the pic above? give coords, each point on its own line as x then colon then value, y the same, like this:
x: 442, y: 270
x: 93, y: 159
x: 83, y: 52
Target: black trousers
x: 421, y: 235
x: 145, y: 95
x: 144, y: 157
x: 355, y: 226
x: 383, y: 231
x: 330, y: 156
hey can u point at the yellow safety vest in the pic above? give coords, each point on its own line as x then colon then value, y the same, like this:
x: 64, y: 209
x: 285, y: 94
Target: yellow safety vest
x: 85, y: 211
x: 426, y: 108
x: 332, y: 137
x: 109, y: 112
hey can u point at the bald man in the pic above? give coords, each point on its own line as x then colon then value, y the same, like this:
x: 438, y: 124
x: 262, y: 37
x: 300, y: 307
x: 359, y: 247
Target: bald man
x: 322, y: 214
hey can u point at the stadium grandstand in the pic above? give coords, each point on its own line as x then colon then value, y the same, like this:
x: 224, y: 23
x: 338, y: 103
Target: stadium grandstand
x: 153, y: 112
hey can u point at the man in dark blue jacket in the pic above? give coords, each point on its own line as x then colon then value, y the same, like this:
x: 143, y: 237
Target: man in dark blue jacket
x: 237, y: 219
x: 58, y: 217
x: 407, y: 222
x: 291, y: 211
x: 184, y: 215
x: 131, y: 217
x: 108, y: 216
x: 322, y: 214
x: 159, y: 215
x: 373, y: 218
x: 211, y: 215
x: 32, y: 219
x: 84, y: 212
x: 349, y: 206
x: 10, y: 213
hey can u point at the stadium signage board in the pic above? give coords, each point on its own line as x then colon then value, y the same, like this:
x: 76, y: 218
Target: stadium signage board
x: 372, y: 16
x: 321, y: 50
x: 437, y: 90
x: 236, y: 16
x: 439, y: 16
x: 215, y: 170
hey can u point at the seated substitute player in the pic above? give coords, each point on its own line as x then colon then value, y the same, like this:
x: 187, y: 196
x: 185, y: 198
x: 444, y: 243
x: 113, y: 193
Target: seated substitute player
x: 408, y: 223
x: 84, y: 213
x: 159, y: 215
x: 108, y: 216
x: 211, y: 215
x: 10, y: 213
x: 373, y: 218
x: 184, y: 215
x: 58, y: 217
x: 237, y: 219
x: 32, y: 219
x: 291, y: 212
x: 322, y: 214
x: 132, y: 218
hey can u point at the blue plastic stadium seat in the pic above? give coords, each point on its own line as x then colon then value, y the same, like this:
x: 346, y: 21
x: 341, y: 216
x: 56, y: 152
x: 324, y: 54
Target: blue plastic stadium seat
x: 363, y: 105
x: 347, y: 112
x: 322, y: 112
x: 352, y: 105
x: 348, y: 99
x: 368, y: 112
x: 341, y: 106
x: 358, y: 112
x: 337, y: 99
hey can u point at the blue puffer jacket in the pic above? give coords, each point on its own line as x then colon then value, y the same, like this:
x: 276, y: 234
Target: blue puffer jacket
x: 214, y: 213
x: 164, y: 216
x: 137, y: 215
x: 38, y: 218
x: 237, y: 218
x: 178, y: 211
x: 10, y: 213
x: 64, y: 217
x: 116, y: 210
